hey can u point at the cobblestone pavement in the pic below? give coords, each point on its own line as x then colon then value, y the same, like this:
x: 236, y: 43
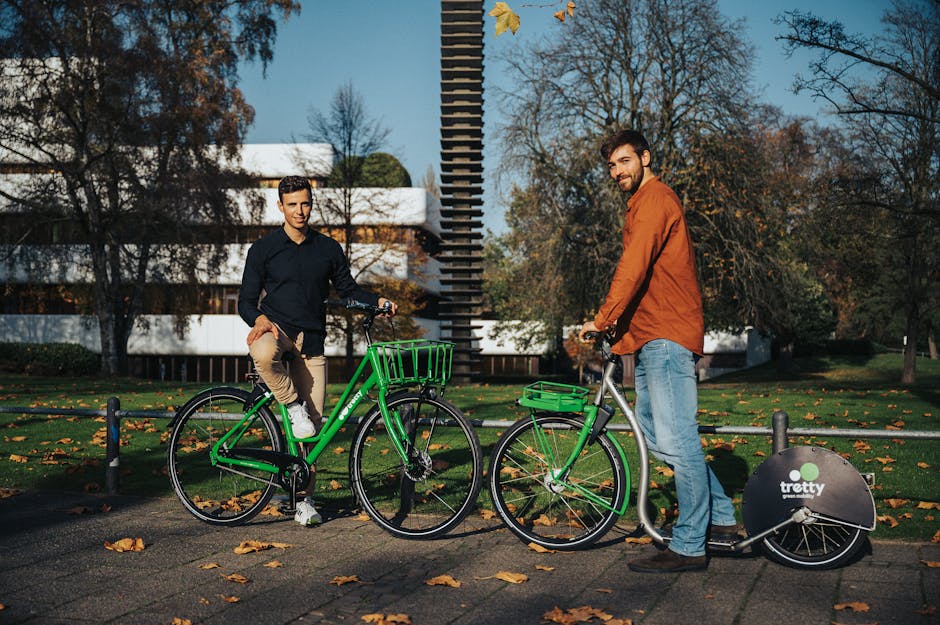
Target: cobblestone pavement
x: 54, y: 569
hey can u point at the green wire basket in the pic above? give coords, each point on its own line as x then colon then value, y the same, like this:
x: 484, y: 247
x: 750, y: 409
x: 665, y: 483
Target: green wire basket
x: 554, y: 397
x: 404, y: 363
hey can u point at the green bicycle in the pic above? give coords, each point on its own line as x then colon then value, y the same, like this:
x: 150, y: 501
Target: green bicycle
x: 415, y: 462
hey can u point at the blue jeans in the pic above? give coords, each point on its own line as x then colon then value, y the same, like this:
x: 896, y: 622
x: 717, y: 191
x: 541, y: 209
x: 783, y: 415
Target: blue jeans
x: 666, y: 406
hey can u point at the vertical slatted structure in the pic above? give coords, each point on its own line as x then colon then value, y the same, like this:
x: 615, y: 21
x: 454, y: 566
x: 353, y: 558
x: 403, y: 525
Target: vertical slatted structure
x: 462, y: 179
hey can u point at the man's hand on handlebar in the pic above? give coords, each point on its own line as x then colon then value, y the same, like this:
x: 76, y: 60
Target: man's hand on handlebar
x: 391, y: 308
x: 586, y: 329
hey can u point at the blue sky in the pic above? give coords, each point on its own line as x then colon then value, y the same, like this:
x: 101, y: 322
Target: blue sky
x: 389, y: 50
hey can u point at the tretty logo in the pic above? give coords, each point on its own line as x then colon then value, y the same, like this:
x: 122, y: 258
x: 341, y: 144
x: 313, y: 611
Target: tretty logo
x: 802, y: 483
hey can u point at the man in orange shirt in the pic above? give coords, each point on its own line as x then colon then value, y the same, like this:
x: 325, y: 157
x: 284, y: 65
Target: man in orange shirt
x: 654, y: 309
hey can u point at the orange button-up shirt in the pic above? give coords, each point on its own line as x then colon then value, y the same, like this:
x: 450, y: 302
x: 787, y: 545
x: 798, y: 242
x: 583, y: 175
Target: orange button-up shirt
x: 654, y: 293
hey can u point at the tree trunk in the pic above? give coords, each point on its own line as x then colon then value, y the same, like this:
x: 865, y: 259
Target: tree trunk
x: 785, y: 358
x: 931, y: 342
x: 114, y: 332
x: 909, y: 374
x: 109, y: 357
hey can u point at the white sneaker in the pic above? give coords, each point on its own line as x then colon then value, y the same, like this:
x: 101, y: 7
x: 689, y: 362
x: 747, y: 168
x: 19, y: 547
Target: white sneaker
x: 300, y: 420
x: 306, y: 514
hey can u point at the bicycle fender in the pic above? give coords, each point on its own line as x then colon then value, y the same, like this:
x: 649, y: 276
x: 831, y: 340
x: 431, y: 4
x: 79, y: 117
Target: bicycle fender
x: 806, y: 476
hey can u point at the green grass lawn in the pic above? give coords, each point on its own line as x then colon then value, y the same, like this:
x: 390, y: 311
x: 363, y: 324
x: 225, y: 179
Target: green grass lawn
x: 59, y: 452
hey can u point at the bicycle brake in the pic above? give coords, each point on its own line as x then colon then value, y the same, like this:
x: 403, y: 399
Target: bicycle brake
x: 604, y: 414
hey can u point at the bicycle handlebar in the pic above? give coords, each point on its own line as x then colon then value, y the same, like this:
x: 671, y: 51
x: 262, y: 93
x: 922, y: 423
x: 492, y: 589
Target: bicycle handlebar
x: 371, y: 312
x: 351, y: 304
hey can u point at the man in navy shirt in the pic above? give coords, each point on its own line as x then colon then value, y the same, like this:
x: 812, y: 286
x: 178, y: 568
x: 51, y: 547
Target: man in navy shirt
x: 287, y: 276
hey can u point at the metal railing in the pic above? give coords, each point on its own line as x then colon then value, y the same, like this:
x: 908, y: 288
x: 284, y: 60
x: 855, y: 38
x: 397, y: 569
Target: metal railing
x: 780, y: 431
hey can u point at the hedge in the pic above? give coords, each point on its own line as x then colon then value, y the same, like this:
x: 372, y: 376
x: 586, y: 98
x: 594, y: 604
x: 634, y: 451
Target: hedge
x: 48, y: 359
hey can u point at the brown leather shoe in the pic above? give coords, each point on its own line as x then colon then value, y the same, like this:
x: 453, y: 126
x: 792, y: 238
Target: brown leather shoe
x: 669, y: 561
x: 725, y: 533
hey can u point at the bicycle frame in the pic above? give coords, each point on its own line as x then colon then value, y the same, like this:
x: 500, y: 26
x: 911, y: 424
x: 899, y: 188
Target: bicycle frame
x: 356, y: 390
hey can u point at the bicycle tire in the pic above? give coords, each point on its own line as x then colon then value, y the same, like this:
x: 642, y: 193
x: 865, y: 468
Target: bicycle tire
x: 818, y: 545
x: 548, y: 512
x: 437, y: 495
x: 213, y: 493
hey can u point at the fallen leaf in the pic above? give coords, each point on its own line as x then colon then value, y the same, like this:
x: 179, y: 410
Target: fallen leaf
x: 545, y: 521
x: 230, y: 598
x: 339, y: 580
x: 896, y: 503
x: 582, y: 614
x: 890, y: 520
x: 926, y: 610
x: 487, y: 514
x: 250, y: 546
x: 923, y: 465
x: 539, y: 548
x: 273, y: 564
x: 271, y: 510
x: 928, y: 505
x: 181, y: 621
x: 443, y: 580
x: 126, y: 544
x: 387, y: 619
x: 641, y: 540
x: 335, y: 485
x: 209, y: 565
x: 886, y: 460
x: 931, y: 564
x: 507, y: 576
x: 854, y: 606
x: 18, y: 458
x: 235, y: 577
x: 936, y: 537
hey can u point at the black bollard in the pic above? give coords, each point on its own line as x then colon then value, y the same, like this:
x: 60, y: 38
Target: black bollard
x: 112, y: 476
x: 780, y: 422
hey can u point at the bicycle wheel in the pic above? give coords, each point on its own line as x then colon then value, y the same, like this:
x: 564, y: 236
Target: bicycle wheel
x: 441, y: 486
x: 816, y: 545
x: 219, y: 494
x: 538, y: 504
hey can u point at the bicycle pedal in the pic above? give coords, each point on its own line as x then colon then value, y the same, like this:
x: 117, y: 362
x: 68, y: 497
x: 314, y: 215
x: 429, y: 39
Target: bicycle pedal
x: 722, y: 545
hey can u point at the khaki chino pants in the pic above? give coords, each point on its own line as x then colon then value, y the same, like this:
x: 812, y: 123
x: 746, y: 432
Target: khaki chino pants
x: 305, y: 379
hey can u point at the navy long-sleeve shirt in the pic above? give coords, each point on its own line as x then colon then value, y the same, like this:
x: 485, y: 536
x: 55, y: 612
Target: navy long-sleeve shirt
x: 295, y: 279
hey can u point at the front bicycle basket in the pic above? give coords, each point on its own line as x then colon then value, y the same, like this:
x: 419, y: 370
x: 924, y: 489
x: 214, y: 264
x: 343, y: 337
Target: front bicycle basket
x: 554, y: 397
x: 403, y: 363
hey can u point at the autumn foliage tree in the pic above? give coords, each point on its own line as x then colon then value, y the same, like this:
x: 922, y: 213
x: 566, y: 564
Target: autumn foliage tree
x: 127, y: 116
x: 883, y: 194
x: 676, y: 71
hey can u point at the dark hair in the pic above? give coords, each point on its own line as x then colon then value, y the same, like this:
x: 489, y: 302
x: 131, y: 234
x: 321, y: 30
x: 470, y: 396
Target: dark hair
x: 290, y: 184
x: 624, y: 137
